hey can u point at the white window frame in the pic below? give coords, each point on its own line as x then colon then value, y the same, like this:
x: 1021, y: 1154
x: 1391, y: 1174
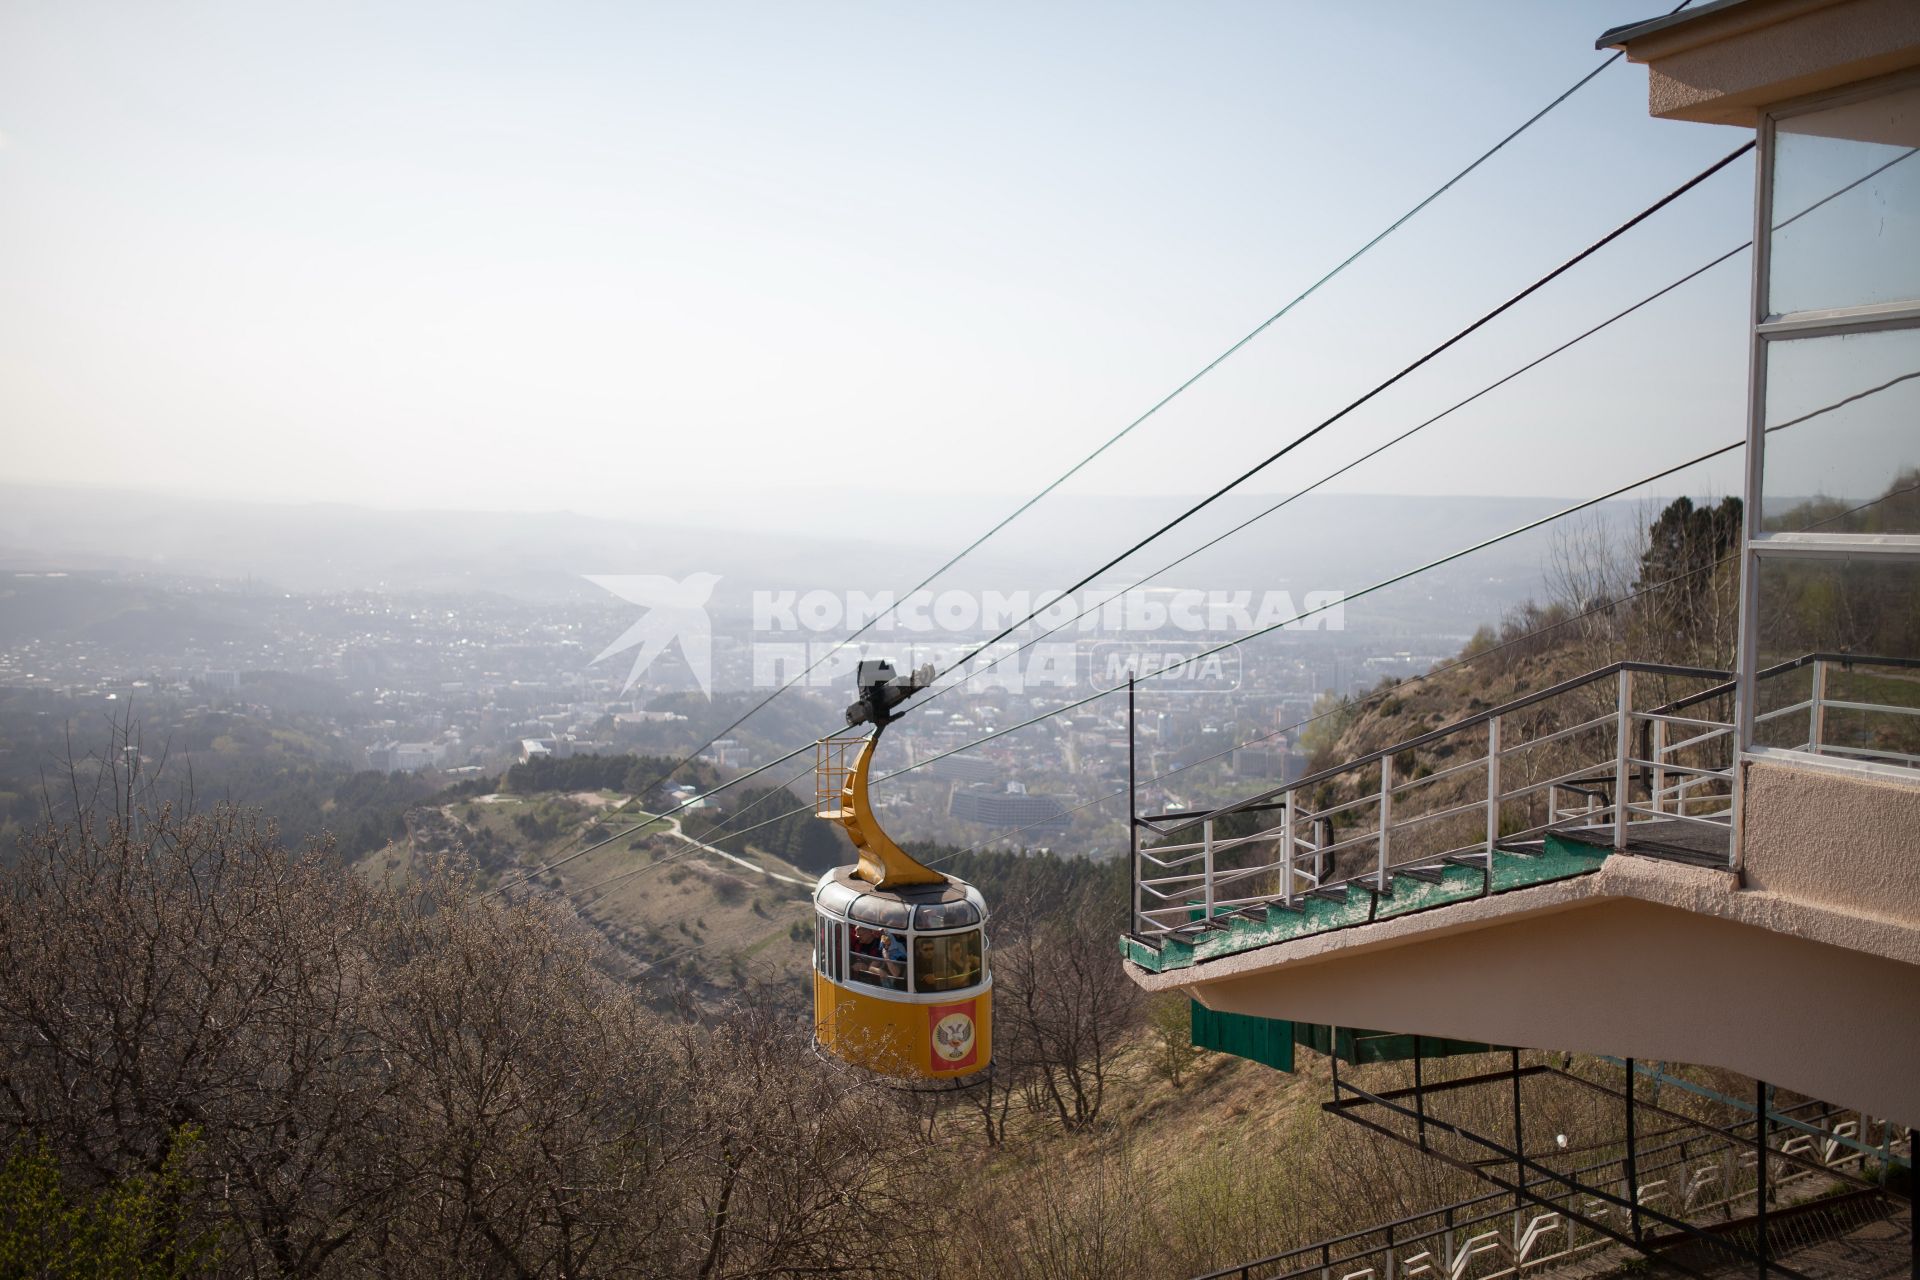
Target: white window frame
x: 1758, y: 545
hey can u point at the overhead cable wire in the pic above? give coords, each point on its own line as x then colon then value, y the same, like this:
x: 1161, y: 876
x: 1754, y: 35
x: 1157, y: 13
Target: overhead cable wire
x: 978, y: 649
x: 1167, y: 399
x: 1362, y: 702
x: 693, y: 848
x: 1187, y: 662
x: 1299, y: 617
x: 1607, y: 606
x: 1683, y: 280
x: 1688, y: 278
x: 708, y: 842
x: 1839, y: 404
x: 1359, y: 703
x: 1375, y: 452
x: 1396, y: 579
x: 1378, y: 696
x: 1095, y: 608
x: 1390, y: 381
x: 1456, y: 338
x: 1868, y: 176
x: 1464, y: 661
x: 719, y: 833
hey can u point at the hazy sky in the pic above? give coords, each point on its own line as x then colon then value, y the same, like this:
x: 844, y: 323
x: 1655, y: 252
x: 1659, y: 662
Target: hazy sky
x: 661, y: 259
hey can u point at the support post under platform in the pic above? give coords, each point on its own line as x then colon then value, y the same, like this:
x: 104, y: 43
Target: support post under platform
x: 1133, y: 813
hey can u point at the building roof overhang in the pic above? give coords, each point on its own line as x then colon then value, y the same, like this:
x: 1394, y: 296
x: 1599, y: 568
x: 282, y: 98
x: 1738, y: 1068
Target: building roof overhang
x: 1619, y: 37
x: 1727, y: 61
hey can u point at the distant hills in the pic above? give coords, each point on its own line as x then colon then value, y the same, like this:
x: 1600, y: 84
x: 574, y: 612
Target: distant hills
x: 853, y: 539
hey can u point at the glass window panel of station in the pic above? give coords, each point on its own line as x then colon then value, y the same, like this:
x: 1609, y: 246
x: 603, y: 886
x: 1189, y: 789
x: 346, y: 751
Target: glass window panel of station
x: 1843, y: 434
x: 1865, y: 613
x: 1846, y: 205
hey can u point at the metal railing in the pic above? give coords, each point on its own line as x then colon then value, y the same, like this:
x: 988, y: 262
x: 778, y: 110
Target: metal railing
x: 1827, y: 718
x: 1584, y: 755
x: 1488, y: 1237
x: 833, y: 759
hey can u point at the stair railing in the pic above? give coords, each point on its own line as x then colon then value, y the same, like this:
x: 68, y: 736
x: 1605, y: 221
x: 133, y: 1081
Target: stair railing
x: 1188, y: 887
x: 1628, y: 764
x: 1485, y: 1237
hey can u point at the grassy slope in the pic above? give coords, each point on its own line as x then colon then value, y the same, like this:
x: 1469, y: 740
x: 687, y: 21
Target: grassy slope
x: 710, y: 918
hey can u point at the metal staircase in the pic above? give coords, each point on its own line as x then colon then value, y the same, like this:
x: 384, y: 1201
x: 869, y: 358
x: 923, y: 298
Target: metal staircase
x: 1684, y: 1197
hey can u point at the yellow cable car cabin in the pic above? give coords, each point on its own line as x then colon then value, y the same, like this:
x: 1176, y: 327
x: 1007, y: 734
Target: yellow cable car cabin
x: 900, y: 979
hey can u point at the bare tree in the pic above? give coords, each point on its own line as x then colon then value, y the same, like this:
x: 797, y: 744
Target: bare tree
x: 411, y: 1080
x: 1067, y: 1014
x: 178, y: 974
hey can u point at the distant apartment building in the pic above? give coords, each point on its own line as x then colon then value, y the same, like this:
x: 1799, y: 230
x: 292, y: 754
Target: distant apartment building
x: 406, y: 757
x: 1040, y: 817
x: 1266, y: 762
x: 728, y: 753
x: 647, y: 717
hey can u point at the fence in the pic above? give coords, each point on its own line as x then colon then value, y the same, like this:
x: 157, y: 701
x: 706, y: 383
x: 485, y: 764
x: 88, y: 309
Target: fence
x: 1581, y: 756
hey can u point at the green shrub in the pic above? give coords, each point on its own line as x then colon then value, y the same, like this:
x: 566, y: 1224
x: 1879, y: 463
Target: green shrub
x: 136, y: 1228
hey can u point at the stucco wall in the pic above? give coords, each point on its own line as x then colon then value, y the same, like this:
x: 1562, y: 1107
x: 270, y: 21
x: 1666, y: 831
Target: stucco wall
x: 1633, y: 979
x: 1835, y: 840
x: 1723, y: 69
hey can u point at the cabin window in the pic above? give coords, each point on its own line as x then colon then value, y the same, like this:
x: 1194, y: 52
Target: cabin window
x: 827, y: 954
x: 835, y: 898
x: 946, y: 962
x: 946, y: 915
x: 877, y: 957
x: 886, y: 912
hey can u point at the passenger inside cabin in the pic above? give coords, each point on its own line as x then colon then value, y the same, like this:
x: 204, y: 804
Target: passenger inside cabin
x: 893, y: 949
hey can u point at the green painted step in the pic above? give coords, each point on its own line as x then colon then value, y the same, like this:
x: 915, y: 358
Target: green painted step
x: 1457, y: 884
x: 1558, y: 860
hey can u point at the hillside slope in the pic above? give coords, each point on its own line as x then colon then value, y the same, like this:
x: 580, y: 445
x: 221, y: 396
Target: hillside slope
x: 666, y: 903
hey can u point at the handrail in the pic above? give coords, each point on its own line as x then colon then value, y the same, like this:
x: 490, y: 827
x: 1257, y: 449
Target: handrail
x: 1450, y: 1219
x: 1260, y: 799
x: 1643, y: 765
x: 1847, y: 660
